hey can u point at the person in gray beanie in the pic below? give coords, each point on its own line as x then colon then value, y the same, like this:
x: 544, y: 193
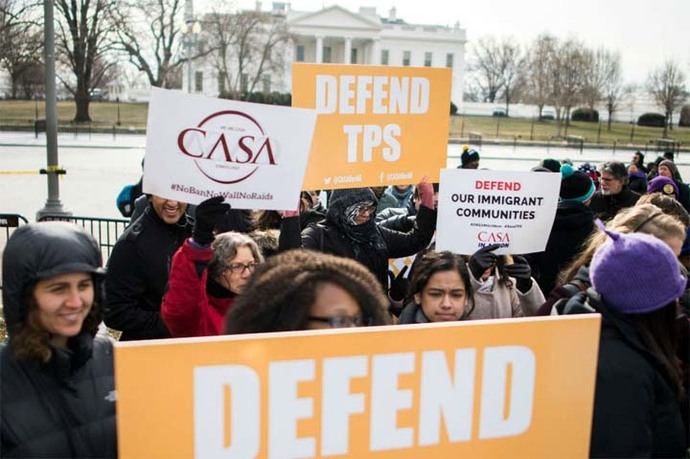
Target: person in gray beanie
x: 636, y: 281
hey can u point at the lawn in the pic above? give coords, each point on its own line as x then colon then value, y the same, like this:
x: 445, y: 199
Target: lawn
x: 133, y: 115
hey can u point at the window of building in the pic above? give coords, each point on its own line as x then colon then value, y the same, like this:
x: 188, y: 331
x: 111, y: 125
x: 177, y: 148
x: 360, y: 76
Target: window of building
x: 244, y: 82
x: 384, y: 57
x: 198, y: 81
x: 449, y: 60
x: 353, y: 56
x: 407, y: 56
x: 427, y: 59
x: 326, y: 54
x: 266, y: 83
x: 299, y: 53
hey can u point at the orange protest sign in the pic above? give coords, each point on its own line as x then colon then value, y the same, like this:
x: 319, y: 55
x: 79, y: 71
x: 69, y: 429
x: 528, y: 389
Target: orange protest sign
x: 376, y: 125
x: 481, y: 389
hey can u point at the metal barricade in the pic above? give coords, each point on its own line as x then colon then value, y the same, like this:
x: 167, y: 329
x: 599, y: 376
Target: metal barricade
x: 104, y: 230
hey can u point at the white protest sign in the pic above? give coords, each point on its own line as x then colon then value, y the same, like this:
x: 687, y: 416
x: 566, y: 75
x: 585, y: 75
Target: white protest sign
x: 477, y: 208
x: 254, y: 155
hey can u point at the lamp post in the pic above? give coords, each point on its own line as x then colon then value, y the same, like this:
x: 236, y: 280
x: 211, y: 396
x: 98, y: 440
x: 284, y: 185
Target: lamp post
x: 192, y: 30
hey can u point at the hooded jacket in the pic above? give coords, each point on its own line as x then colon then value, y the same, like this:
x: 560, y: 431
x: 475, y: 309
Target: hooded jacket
x: 369, y: 243
x: 683, y: 189
x: 606, y: 206
x: 64, y: 407
x: 636, y: 412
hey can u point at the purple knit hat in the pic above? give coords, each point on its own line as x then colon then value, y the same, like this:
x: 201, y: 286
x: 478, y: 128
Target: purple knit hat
x: 663, y: 185
x: 635, y: 273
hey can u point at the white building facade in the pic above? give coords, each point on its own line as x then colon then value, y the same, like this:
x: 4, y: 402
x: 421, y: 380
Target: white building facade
x: 339, y: 36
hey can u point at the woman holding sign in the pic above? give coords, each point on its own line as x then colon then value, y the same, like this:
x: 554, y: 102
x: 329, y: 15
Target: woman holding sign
x: 350, y: 230
x: 56, y: 386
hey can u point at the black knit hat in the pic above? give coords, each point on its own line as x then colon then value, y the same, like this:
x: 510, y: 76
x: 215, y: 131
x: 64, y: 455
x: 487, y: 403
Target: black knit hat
x: 575, y: 185
x: 468, y: 156
x: 551, y: 164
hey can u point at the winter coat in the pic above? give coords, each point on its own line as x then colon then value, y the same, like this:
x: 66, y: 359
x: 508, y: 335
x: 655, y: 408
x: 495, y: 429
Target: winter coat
x: 64, y: 407
x: 373, y: 244
x: 498, y: 300
x: 138, y: 273
x: 607, y: 206
x: 392, y: 198
x: 412, y: 313
x: 636, y: 412
x: 194, y: 305
x: 638, y: 182
x: 573, y: 224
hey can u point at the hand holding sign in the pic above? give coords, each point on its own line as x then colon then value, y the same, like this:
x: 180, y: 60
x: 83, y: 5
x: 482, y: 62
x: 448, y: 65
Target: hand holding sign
x: 482, y: 260
x: 207, y: 215
x: 521, y: 271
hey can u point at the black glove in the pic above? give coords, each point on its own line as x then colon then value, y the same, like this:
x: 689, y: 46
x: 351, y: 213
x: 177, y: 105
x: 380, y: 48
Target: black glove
x: 207, y: 215
x: 398, y: 285
x: 482, y: 259
x: 521, y: 271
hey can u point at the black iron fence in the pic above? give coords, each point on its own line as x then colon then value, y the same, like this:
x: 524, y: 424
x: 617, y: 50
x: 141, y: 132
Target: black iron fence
x: 104, y: 230
x: 8, y: 223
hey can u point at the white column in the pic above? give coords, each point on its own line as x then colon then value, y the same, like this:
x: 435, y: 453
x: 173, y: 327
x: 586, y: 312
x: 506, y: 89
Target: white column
x: 348, y: 50
x: 375, y: 58
x: 319, y: 49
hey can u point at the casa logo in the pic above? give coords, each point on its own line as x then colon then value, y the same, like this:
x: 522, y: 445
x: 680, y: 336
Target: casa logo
x: 493, y: 237
x: 228, y: 146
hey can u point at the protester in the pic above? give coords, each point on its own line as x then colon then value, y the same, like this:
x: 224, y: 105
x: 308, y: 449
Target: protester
x: 440, y: 290
x: 349, y: 230
x: 469, y: 159
x: 138, y: 269
x: 56, y: 384
x: 592, y: 171
x: 668, y: 169
x: 302, y: 290
x: 503, y: 286
x: 573, y: 224
x: 663, y: 185
x: 645, y: 218
x: 614, y: 194
x: 207, y: 274
x: 550, y: 164
x: 636, y: 280
x: 398, y: 197
x: 637, y: 179
x: 638, y: 160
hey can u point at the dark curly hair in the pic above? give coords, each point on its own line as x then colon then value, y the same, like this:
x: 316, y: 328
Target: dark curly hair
x: 30, y: 341
x: 433, y: 262
x: 282, y: 290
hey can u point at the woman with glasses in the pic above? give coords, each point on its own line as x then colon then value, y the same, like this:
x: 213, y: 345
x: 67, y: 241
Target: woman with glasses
x: 207, y: 274
x: 306, y: 290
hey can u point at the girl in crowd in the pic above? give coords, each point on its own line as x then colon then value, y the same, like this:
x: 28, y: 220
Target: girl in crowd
x: 668, y: 169
x: 636, y: 280
x: 207, y: 275
x: 440, y: 290
x: 56, y: 387
x: 301, y: 290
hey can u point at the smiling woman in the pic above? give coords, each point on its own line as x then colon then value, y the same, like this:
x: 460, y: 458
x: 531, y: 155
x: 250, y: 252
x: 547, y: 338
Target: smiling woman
x: 57, y: 385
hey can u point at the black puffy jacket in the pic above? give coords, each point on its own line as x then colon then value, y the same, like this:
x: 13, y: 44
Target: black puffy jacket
x: 64, y: 407
x: 138, y: 270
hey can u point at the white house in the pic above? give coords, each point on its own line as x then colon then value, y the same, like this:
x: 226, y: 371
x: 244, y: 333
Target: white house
x: 337, y: 35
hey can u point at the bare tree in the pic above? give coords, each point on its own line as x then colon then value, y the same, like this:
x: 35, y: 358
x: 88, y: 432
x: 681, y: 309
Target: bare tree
x: 539, y: 76
x: 487, y: 67
x: 151, y: 34
x: 666, y: 84
x: 613, y: 91
x: 568, y: 79
x: 83, y: 38
x: 247, y: 46
x: 21, y: 45
x: 595, y: 68
x: 512, y: 63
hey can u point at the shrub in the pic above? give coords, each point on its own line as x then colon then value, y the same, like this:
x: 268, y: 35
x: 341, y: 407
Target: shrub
x: 684, y: 116
x: 585, y: 114
x: 651, y: 119
x: 453, y: 108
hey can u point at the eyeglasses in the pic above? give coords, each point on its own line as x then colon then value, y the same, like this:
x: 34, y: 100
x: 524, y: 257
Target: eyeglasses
x: 238, y: 268
x: 340, y: 321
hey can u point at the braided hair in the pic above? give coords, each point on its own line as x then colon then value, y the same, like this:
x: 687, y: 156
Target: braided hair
x: 281, y: 292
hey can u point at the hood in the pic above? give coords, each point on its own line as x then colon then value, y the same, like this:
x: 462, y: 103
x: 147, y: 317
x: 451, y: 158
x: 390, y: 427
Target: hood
x: 41, y: 250
x: 342, y: 199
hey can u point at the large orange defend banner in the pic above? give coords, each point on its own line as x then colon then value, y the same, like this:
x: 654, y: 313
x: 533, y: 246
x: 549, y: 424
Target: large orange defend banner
x: 376, y: 125
x: 467, y: 389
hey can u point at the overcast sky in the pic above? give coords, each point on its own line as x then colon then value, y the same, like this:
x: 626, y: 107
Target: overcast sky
x: 646, y: 32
